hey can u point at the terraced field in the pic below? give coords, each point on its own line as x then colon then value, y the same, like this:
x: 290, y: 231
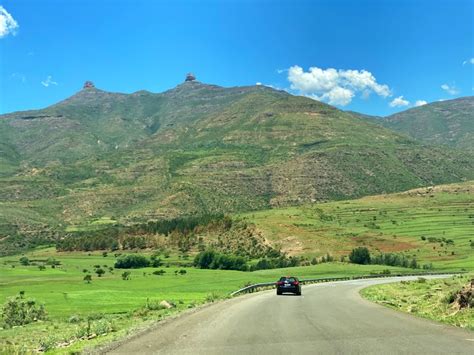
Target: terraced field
x: 435, y: 225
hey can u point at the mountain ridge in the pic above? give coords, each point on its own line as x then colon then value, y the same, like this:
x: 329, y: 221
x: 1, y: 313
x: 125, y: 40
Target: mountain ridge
x: 199, y: 149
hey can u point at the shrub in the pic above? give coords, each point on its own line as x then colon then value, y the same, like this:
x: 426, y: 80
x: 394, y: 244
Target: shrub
x: 182, y: 271
x: 74, y: 319
x: 19, y: 311
x: 88, y: 278
x: 360, y: 255
x: 155, y: 261
x: 102, y: 327
x: 52, y: 261
x: 24, y: 261
x: 450, y: 298
x: 126, y: 275
x: 100, y: 272
x: 132, y: 261
x: 159, y: 272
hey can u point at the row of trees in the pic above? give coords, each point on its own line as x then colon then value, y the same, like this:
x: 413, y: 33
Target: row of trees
x: 361, y: 255
x: 136, y: 261
x: 211, y: 259
x: 275, y: 263
x: 183, y: 225
x: 138, y: 236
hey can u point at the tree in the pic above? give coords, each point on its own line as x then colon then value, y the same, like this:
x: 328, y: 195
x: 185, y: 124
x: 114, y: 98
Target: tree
x: 88, y: 278
x: 100, y: 272
x: 24, y: 261
x: 360, y: 255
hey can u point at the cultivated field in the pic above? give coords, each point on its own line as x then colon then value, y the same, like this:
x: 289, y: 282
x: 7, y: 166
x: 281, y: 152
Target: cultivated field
x: 434, y: 225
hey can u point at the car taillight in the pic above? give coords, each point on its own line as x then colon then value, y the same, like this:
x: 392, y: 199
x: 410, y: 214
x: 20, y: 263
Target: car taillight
x: 280, y: 283
x: 295, y: 283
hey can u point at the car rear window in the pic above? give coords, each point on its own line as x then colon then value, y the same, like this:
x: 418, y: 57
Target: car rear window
x: 290, y: 279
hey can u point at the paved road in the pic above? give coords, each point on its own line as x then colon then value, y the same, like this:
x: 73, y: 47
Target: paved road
x: 329, y: 318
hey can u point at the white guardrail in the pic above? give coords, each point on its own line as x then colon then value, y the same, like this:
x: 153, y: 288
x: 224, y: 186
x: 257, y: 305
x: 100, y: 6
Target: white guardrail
x: 266, y: 285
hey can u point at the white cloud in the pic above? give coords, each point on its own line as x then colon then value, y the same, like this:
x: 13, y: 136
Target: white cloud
x: 336, y: 96
x: 49, y: 81
x: 450, y: 89
x: 258, y: 83
x: 7, y: 23
x: 420, y: 103
x: 336, y: 86
x: 399, y: 102
x: 469, y: 61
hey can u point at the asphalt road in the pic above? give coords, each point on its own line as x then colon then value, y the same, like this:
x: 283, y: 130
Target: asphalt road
x: 329, y: 318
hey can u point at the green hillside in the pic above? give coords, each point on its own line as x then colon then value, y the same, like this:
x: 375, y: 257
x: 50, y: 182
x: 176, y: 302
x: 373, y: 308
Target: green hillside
x: 433, y: 224
x: 197, y: 149
x: 449, y: 122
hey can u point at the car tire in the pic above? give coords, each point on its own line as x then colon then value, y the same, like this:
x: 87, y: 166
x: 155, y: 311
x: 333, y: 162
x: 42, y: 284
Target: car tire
x: 278, y: 293
x: 298, y: 293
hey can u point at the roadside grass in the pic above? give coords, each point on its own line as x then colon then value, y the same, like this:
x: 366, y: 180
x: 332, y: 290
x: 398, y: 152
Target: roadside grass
x: 434, y: 225
x: 425, y: 298
x: 109, y: 306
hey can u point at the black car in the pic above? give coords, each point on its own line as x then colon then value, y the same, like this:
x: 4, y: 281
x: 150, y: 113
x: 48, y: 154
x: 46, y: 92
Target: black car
x: 288, y: 284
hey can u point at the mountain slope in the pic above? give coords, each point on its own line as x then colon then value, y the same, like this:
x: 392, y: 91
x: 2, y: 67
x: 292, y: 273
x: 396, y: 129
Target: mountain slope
x: 198, y: 149
x: 449, y: 122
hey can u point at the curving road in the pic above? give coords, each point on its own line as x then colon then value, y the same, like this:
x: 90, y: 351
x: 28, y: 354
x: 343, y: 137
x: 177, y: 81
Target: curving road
x: 329, y: 318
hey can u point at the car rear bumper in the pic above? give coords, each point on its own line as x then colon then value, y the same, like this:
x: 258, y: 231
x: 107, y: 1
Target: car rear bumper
x: 288, y: 289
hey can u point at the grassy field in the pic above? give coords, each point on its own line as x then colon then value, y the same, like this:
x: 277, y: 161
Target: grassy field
x: 434, y: 225
x: 425, y: 298
x: 115, y: 305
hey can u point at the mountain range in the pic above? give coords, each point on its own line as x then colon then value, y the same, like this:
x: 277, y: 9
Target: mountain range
x: 201, y: 148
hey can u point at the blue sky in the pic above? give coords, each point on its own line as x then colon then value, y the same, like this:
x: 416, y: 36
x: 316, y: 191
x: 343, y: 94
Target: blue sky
x: 376, y: 57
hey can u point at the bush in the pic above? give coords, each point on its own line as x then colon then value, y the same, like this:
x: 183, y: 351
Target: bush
x: 360, y: 255
x: 19, y: 311
x: 155, y: 261
x: 74, y: 319
x: 52, y: 261
x: 100, y: 272
x: 24, y: 261
x: 126, y: 275
x: 88, y: 278
x: 132, y: 261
